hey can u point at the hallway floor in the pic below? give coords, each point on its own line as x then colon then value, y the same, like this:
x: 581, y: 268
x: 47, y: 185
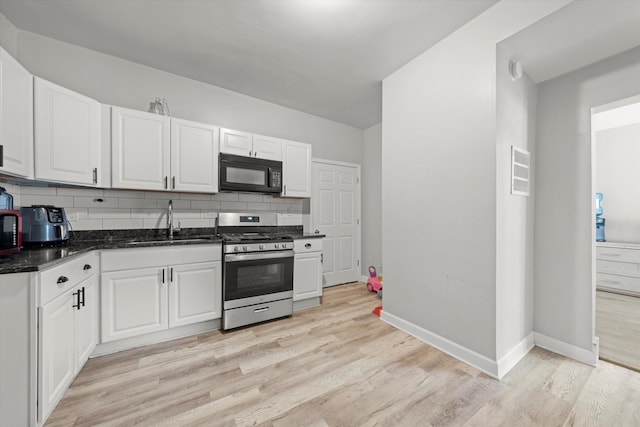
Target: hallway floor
x: 618, y: 326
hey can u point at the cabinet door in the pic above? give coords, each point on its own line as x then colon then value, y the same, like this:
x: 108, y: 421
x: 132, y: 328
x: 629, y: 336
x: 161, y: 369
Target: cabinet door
x: 56, y: 357
x: 134, y: 302
x: 195, y: 293
x: 86, y: 321
x: 307, y: 276
x: 267, y: 147
x: 296, y: 168
x: 16, y: 117
x: 67, y: 135
x: 140, y: 151
x: 194, y: 156
x: 236, y: 142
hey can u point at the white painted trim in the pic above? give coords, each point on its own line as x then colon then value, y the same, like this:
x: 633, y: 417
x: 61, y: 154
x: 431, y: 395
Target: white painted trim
x: 470, y: 357
x: 334, y: 162
x: 516, y: 354
x: 569, y: 350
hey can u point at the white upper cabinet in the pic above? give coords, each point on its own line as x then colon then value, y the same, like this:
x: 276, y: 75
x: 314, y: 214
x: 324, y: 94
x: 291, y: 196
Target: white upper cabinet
x: 296, y: 169
x: 16, y: 117
x: 155, y: 152
x: 140, y: 150
x: 67, y: 135
x: 236, y: 142
x: 267, y: 147
x: 194, y: 156
x: 250, y: 145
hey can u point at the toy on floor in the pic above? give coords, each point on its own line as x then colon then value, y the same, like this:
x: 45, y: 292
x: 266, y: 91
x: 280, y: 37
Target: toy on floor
x: 373, y: 283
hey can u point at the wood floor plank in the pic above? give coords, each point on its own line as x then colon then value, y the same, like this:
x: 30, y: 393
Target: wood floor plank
x: 337, y: 365
x: 618, y: 327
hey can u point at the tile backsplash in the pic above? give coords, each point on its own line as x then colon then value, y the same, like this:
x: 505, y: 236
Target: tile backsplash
x: 108, y: 209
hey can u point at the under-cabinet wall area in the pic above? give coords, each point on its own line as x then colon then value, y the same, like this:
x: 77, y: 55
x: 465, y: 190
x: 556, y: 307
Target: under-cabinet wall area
x: 107, y: 209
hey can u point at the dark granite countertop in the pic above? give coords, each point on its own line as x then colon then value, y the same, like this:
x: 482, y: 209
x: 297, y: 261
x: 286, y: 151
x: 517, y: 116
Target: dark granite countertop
x: 81, y: 242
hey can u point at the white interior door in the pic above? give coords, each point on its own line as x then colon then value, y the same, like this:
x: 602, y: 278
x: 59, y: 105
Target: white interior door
x: 336, y: 214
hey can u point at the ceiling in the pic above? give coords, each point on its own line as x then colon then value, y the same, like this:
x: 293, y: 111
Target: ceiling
x: 324, y: 57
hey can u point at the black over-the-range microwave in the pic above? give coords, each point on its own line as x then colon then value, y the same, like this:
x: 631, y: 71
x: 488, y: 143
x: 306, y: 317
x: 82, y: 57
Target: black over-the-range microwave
x: 250, y: 174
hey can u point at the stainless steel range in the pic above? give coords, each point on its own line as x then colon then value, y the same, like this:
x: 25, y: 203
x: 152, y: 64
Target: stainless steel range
x: 257, y: 273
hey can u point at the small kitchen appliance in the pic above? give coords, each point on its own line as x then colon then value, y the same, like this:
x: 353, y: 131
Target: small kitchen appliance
x: 257, y: 269
x: 250, y: 174
x: 10, y: 231
x: 44, y: 225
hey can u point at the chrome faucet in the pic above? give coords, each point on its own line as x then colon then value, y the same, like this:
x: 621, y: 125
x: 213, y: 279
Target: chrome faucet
x: 170, y: 220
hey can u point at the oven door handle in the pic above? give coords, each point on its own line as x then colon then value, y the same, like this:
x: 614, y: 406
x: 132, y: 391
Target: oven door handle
x: 258, y: 256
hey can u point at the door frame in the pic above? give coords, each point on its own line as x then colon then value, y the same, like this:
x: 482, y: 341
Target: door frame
x: 358, y: 207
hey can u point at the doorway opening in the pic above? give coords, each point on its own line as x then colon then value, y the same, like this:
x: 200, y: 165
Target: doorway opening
x: 615, y: 132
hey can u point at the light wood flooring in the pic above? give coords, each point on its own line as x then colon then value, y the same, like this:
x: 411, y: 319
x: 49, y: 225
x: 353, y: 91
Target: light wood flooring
x: 338, y: 365
x: 618, y: 326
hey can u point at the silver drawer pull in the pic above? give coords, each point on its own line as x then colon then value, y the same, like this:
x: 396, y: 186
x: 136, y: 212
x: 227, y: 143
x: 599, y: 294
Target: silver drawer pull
x: 260, y: 310
x: 62, y: 279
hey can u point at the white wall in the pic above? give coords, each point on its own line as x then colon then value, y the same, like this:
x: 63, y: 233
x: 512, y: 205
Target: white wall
x: 515, y: 111
x: 115, y: 81
x: 8, y: 36
x: 564, y: 289
x: 372, y: 199
x: 617, y: 177
x: 439, y: 186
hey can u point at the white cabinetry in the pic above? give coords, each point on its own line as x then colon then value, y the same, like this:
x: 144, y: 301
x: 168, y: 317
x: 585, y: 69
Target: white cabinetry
x: 16, y: 117
x: 296, y: 169
x: 267, y: 147
x: 140, y: 150
x: 68, y: 326
x: 154, y: 152
x: 307, y: 269
x: 194, y: 156
x: 67, y: 135
x: 618, y: 267
x: 151, y: 289
x: 246, y: 144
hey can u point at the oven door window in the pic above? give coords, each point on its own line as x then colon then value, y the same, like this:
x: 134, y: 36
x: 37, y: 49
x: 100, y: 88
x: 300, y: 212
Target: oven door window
x: 250, y: 278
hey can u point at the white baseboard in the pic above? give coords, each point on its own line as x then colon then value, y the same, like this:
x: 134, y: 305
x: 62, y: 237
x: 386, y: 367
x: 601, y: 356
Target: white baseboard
x: 569, y: 350
x: 519, y: 351
x: 470, y: 357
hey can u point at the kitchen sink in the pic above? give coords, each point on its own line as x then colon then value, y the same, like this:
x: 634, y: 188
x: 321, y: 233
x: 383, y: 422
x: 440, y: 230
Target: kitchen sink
x: 166, y: 242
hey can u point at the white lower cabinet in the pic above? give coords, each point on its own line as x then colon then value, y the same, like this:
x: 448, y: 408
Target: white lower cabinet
x: 68, y: 327
x: 152, y: 289
x: 307, y: 269
x: 618, y: 267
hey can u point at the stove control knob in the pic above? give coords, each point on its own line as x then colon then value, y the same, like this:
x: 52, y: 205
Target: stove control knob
x: 277, y: 245
x: 261, y: 247
x: 235, y: 249
x: 245, y: 248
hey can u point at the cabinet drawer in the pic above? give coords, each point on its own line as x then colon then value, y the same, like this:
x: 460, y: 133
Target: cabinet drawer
x: 618, y: 254
x: 612, y: 281
x: 127, y: 259
x: 621, y: 268
x: 57, y: 280
x: 301, y: 246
